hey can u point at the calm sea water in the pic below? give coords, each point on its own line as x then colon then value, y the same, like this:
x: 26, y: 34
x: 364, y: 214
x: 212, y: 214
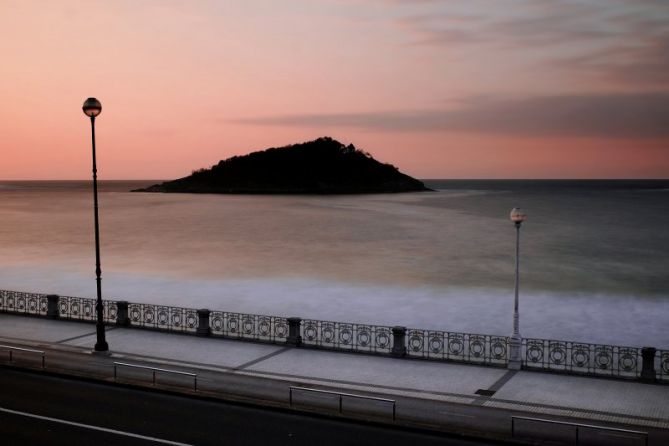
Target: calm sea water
x: 594, y: 255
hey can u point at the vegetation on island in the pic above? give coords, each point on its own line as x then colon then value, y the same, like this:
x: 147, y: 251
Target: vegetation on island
x: 322, y: 166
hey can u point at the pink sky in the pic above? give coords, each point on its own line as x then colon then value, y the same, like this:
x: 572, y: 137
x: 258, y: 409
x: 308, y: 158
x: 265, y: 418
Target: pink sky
x: 441, y: 89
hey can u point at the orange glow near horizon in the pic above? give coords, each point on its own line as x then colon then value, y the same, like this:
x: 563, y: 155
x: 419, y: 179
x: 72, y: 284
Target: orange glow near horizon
x: 439, y: 90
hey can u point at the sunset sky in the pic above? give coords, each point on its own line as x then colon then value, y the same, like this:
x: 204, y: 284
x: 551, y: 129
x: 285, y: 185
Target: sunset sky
x: 440, y: 88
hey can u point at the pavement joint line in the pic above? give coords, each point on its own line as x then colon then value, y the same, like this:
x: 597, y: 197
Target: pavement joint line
x: 262, y: 358
x: 91, y: 427
x: 82, y: 336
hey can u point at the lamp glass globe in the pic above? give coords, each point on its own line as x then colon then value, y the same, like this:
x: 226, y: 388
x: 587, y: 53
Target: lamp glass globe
x: 92, y: 107
x: 517, y: 216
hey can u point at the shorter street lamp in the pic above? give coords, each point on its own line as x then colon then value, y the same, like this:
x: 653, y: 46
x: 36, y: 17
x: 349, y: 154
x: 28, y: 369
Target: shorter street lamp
x: 92, y: 108
x: 515, y: 360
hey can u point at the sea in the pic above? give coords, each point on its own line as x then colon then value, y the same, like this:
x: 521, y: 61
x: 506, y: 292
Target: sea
x: 594, y: 255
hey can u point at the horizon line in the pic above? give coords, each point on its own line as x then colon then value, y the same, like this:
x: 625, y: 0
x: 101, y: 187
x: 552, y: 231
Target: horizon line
x: 421, y: 179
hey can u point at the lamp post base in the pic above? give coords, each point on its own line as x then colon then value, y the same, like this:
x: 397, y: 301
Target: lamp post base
x: 515, y: 357
x: 101, y: 352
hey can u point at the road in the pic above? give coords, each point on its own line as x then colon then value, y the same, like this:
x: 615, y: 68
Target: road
x: 47, y: 410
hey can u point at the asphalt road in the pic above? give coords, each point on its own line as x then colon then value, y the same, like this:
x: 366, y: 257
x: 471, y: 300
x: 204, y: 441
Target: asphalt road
x: 46, y: 410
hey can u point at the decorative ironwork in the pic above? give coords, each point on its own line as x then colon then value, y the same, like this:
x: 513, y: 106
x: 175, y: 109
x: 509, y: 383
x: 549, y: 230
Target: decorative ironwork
x: 162, y: 317
x: 577, y: 357
x: 347, y: 336
x: 20, y: 302
x: 627, y: 359
x: 463, y: 347
x: 543, y: 354
x: 662, y: 357
x: 81, y: 308
x: 580, y: 355
x: 248, y: 326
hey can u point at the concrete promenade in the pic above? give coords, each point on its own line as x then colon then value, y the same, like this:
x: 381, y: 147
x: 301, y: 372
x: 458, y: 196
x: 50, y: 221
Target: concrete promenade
x: 435, y: 395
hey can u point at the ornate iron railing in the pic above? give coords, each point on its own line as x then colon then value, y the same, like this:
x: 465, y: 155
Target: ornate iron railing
x: 662, y: 364
x: 81, y: 308
x: 463, y: 347
x: 537, y: 354
x: 579, y: 357
x: 20, y: 302
x: 347, y: 336
x: 161, y: 317
x: 248, y: 326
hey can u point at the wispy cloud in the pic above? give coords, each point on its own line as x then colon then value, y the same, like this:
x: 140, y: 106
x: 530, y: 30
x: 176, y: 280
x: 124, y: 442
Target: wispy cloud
x: 625, y: 42
x: 606, y: 116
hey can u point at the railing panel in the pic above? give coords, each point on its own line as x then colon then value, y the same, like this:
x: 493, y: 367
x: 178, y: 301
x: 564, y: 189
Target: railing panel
x: 248, y: 326
x: 463, y: 347
x: 161, y: 317
x: 81, y: 308
x: 20, y: 302
x: 662, y: 365
x: 579, y: 357
x: 347, y: 336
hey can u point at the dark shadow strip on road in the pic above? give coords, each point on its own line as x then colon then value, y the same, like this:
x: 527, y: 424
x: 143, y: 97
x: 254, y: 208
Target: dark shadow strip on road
x: 503, y: 380
x: 480, y: 400
x: 262, y: 358
x: 82, y: 336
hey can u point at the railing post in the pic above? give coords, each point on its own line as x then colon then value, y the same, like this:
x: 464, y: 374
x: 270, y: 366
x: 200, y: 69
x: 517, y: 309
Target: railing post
x: 203, y: 322
x: 648, y: 373
x: 399, y: 341
x: 122, y: 318
x: 52, y: 306
x: 515, y: 349
x: 294, y: 336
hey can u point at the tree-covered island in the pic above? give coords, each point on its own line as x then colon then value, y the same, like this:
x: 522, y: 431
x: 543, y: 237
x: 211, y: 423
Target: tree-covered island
x: 322, y: 166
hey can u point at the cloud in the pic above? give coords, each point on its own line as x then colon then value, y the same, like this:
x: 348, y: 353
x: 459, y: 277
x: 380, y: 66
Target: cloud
x: 533, y: 23
x: 626, y: 43
x: 625, y: 65
x: 626, y: 116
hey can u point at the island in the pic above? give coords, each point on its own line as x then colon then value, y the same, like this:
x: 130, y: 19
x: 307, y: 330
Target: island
x: 322, y: 166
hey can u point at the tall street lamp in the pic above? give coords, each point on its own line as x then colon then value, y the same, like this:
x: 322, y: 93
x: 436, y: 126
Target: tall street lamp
x: 92, y: 108
x: 515, y: 360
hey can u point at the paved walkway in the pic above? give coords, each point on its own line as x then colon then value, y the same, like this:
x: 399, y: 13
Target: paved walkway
x: 433, y: 394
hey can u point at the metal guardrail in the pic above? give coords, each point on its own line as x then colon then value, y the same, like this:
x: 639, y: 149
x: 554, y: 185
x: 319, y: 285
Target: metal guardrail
x: 341, y: 397
x: 642, y: 434
x: 154, y: 370
x: 11, y: 349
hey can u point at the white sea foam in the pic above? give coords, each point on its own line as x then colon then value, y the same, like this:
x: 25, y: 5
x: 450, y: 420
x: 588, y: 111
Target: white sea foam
x: 594, y: 318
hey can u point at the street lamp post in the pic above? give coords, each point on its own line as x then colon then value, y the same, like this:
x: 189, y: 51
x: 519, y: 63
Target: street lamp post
x: 92, y: 108
x: 515, y: 340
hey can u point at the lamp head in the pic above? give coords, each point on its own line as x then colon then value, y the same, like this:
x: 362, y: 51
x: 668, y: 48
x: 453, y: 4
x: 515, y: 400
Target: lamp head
x: 92, y: 107
x: 517, y: 216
